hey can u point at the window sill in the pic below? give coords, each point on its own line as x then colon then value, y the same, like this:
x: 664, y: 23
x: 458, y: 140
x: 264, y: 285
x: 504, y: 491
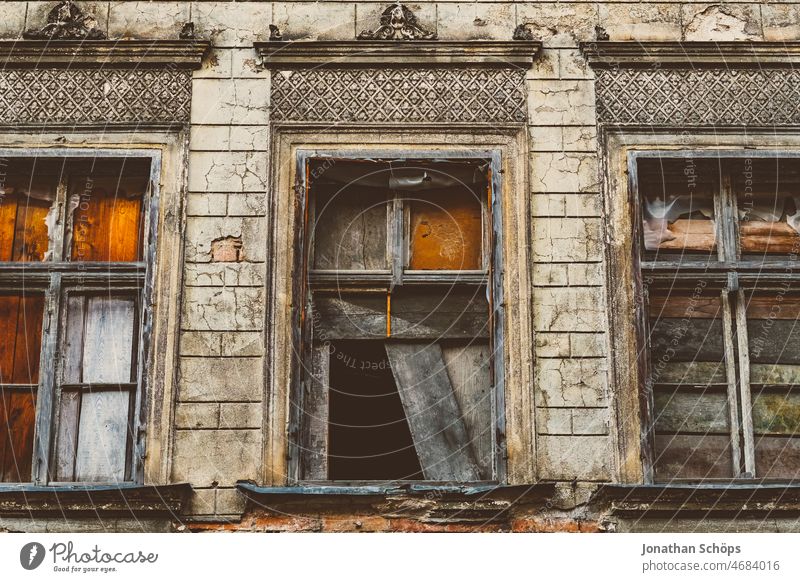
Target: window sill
x: 75, y: 499
x: 425, y: 502
x: 248, y: 488
x: 701, y: 499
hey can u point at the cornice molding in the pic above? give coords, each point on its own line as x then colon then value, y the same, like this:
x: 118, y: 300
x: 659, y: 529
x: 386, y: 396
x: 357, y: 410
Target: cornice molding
x: 394, y: 54
x: 734, y: 54
x: 182, y: 54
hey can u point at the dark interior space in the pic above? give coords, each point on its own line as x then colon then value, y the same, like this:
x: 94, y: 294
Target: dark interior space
x: 369, y: 434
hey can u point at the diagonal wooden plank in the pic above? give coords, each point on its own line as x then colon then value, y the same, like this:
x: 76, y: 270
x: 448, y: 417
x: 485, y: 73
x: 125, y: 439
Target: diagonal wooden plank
x: 432, y: 411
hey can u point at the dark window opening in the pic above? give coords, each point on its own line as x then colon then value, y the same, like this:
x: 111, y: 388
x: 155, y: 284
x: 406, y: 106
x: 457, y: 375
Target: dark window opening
x: 398, y: 341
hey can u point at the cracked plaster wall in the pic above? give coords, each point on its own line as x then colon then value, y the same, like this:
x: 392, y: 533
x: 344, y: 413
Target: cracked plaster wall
x: 218, y: 418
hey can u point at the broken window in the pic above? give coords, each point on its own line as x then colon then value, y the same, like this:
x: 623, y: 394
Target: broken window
x: 397, y: 329
x: 71, y: 316
x: 720, y: 240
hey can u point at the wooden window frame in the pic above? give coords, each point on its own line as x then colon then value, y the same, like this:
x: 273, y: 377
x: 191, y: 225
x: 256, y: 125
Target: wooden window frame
x: 398, y: 273
x: 627, y: 376
x: 731, y: 276
x: 59, y: 277
x: 284, y: 219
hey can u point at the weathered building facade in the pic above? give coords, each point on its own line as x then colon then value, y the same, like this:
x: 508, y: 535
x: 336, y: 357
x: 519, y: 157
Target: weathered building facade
x: 520, y: 347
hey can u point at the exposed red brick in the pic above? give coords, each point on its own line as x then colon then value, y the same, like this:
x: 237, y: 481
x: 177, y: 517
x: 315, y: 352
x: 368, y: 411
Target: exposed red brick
x: 227, y: 249
x: 547, y: 524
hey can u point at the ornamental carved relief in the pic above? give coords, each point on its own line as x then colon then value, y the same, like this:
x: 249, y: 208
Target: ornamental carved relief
x: 423, y: 95
x: 707, y: 96
x: 398, y: 23
x: 67, y: 22
x: 86, y: 96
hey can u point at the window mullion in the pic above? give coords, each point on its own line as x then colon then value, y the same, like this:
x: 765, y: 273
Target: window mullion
x: 396, y: 238
x: 730, y: 372
x: 47, y: 385
x: 725, y: 210
x: 745, y: 398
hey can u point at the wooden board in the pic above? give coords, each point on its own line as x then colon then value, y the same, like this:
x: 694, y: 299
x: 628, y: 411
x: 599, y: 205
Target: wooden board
x: 679, y: 340
x: 440, y: 313
x: 773, y: 306
x: 350, y: 228
x: 67, y: 437
x: 684, y: 234
x: 469, y: 369
x: 109, y: 339
x: 434, y: 417
x: 688, y: 373
x: 18, y: 416
x: 102, y: 436
x: 777, y: 457
x: 692, y: 457
x: 691, y: 411
x: 679, y: 305
x: 774, y: 341
x: 768, y: 237
x: 776, y: 412
x: 779, y: 374
x: 446, y: 230
x: 73, y: 339
x: 315, y: 417
x: 107, y: 222
x: 349, y: 316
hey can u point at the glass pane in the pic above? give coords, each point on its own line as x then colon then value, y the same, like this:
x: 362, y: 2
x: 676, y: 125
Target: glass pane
x: 350, y: 228
x: 446, y: 230
x: 107, y: 212
x: 769, y: 219
x: 768, y: 201
x: 689, y: 383
x: 774, y: 345
x: 17, y: 419
x: 100, y: 340
x: 27, y: 210
x: 678, y: 205
x: 21, y: 333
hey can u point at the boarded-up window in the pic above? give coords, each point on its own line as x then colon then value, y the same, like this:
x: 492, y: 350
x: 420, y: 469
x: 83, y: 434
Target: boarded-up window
x: 97, y: 388
x: 398, y: 340
x: 722, y: 315
x: 82, y: 324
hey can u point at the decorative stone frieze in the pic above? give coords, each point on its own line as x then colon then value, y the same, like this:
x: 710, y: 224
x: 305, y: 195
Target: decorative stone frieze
x: 696, y: 84
x: 66, y: 73
x: 391, y: 82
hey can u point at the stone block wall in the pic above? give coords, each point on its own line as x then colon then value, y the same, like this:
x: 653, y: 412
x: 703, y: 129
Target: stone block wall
x: 219, y: 414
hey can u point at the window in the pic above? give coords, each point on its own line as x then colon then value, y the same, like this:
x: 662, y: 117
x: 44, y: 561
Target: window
x: 719, y: 240
x: 73, y: 248
x: 398, y: 374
